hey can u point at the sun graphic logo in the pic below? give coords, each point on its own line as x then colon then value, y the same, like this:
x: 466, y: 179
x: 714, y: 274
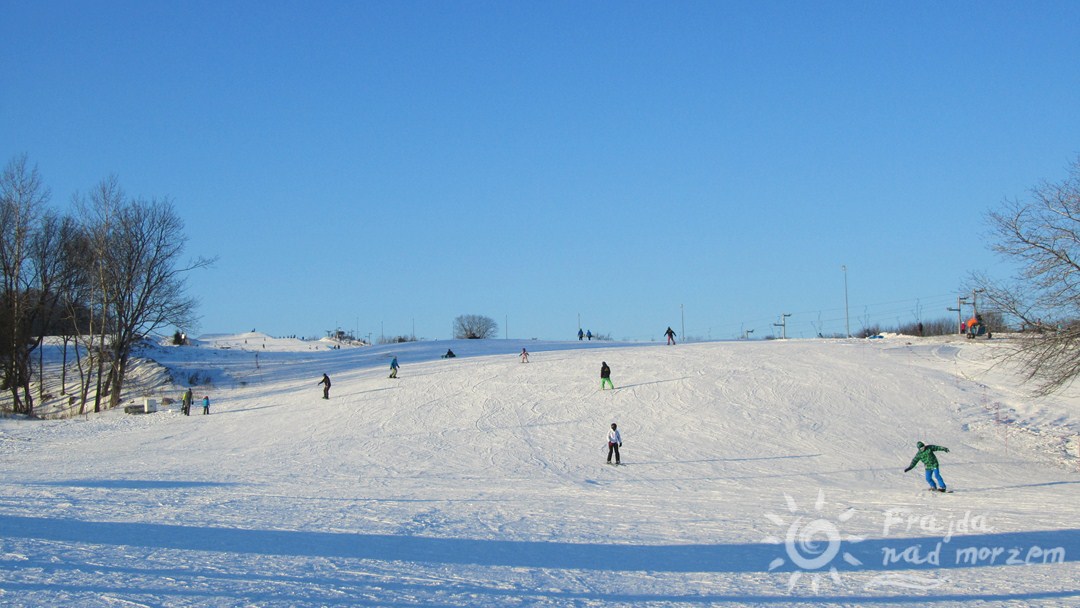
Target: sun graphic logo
x: 812, y: 543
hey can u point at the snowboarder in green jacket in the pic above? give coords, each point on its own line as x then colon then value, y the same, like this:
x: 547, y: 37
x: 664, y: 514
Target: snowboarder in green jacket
x: 926, y: 456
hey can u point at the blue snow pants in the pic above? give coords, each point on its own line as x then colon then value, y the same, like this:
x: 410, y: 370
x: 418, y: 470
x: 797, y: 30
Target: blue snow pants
x: 931, y: 474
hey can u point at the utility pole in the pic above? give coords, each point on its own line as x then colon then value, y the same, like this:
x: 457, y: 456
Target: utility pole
x: 959, y: 310
x: 783, y: 325
x: 847, y: 315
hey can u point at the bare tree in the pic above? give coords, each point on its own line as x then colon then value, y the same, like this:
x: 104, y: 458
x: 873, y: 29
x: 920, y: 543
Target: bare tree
x: 1042, y: 237
x: 47, y: 253
x: 474, y: 327
x: 138, y: 245
x: 22, y: 201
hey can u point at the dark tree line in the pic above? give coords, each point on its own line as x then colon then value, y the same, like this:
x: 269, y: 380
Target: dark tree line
x: 100, y: 278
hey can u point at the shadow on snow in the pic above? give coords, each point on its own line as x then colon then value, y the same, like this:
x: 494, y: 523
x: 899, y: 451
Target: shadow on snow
x: 747, y: 557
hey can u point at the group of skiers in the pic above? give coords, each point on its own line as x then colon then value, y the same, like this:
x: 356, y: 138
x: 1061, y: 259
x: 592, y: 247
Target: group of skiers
x: 924, y: 455
x: 581, y: 334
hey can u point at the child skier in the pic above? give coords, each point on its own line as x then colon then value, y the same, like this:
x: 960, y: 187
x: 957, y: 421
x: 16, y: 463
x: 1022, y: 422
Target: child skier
x: 393, y: 368
x: 206, y: 404
x: 605, y: 376
x: 614, y: 442
x: 926, y: 456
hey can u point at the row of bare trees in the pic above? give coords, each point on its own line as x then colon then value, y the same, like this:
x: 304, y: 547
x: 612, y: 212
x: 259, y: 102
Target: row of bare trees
x: 101, y: 277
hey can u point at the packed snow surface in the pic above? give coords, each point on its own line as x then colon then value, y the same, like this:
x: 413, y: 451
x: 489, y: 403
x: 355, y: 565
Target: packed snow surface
x: 754, y: 473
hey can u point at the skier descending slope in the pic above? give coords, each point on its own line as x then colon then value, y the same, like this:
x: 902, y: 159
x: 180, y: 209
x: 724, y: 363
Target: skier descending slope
x: 614, y: 442
x: 605, y: 376
x: 926, y: 456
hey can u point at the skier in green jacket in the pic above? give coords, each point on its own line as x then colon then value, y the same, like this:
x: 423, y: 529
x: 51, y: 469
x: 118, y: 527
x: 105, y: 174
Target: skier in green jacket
x: 926, y: 456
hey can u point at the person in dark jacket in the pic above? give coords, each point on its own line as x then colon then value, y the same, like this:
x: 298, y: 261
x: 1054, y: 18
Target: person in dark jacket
x: 186, y: 405
x: 670, y: 333
x: 926, y: 456
x: 325, y: 382
x: 605, y: 376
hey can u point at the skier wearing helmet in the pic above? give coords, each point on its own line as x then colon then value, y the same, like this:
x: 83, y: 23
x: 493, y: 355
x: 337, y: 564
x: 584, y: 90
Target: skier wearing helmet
x: 614, y: 442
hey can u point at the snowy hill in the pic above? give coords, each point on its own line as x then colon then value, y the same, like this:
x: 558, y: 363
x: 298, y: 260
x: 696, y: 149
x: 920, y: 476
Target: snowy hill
x: 755, y: 473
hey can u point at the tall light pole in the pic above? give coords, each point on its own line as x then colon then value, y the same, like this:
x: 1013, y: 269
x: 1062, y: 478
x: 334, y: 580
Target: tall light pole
x: 847, y: 315
x: 682, y: 328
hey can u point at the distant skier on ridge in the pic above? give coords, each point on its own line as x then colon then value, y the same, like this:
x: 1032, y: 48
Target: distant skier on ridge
x: 926, y: 456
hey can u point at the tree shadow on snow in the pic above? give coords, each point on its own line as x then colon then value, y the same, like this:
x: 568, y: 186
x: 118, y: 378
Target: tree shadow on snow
x: 740, y: 557
x: 990, y: 550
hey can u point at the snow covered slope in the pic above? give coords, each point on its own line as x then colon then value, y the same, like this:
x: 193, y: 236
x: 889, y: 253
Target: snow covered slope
x: 755, y: 473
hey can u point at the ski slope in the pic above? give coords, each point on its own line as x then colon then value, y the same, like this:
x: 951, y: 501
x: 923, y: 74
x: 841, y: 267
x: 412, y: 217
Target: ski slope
x: 755, y: 473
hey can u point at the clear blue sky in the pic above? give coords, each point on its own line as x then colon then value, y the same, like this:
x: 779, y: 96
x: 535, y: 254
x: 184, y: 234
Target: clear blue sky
x: 385, y: 165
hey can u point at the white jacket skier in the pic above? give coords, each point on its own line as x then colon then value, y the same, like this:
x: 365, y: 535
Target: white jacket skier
x: 614, y: 442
